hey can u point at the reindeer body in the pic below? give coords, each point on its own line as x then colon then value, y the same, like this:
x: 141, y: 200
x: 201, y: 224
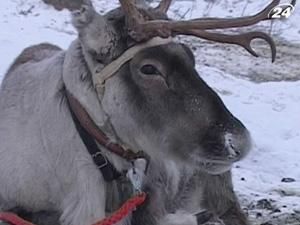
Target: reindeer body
x: 57, y: 174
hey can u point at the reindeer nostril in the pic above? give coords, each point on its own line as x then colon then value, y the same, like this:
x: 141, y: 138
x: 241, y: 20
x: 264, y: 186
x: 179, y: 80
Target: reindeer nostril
x: 237, y: 152
x: 232, y: 147
x: 233, y: 153
x: 230, y: 156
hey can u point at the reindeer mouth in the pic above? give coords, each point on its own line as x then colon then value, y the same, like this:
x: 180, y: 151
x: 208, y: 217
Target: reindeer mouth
x: 215, y: 167
x: 210, y: 165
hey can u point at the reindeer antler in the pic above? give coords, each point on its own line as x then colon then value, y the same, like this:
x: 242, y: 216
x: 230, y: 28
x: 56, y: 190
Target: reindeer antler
x: 164, y: 5
x: 142, y: 28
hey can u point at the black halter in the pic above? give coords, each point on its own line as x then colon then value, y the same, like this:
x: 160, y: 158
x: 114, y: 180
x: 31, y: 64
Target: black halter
x: 107, y: 169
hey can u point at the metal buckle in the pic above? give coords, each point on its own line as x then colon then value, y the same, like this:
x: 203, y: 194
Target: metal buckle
x: 103, y: 156
x: 137, y: 173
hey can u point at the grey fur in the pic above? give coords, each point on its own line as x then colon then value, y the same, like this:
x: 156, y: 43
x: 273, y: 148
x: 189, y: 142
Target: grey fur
x: 173, y: 116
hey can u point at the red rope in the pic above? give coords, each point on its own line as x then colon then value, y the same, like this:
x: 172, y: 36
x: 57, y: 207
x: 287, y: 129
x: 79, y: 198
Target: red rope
x: 13, y: 219
x: 129, y: 206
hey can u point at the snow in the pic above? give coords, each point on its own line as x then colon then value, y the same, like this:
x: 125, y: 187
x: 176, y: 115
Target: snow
x: 19, y: 31
x: 269, y: 110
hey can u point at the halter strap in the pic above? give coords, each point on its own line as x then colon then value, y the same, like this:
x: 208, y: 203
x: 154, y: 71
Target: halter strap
x: 110, y: 69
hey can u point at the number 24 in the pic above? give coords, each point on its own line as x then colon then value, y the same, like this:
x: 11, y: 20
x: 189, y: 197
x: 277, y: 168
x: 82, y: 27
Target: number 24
x: 281, y: 12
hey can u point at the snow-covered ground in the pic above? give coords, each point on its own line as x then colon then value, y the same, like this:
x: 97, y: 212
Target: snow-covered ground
x: 270, y: 110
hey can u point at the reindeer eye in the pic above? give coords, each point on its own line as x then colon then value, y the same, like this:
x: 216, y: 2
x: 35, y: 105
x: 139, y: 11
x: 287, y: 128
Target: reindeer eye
x: 149, y: 70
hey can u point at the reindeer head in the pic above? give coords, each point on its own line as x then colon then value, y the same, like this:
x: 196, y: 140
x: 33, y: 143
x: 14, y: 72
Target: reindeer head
x: 154, y: 97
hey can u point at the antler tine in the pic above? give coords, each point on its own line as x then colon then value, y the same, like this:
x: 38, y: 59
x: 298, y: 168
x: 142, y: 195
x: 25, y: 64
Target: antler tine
x: 243, y: 40
x: 209, y: 23
x: 219, y: 23
x: 293, y: 3
x: 131, y: 12
x: 135, y: 18
x: 164, y: 5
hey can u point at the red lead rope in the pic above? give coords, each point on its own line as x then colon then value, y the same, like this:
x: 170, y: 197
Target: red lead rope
x: 129, y: 206
x: 13, y: 219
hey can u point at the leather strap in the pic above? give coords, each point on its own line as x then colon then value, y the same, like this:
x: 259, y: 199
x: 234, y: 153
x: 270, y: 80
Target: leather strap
x: 109, y: 70
x: 88, y: 124
x: 108, y: 171
x: 89, y: 132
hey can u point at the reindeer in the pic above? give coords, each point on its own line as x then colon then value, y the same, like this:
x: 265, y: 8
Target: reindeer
x: 137, y: 88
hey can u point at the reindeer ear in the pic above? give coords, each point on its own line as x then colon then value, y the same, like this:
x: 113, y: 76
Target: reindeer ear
x: 84, y: 15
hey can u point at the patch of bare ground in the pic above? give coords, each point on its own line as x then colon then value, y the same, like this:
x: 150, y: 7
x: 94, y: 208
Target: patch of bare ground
x: 269, y: 218
x: 238, y: 62
x: 264, y: 212
x: 282, y: 219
